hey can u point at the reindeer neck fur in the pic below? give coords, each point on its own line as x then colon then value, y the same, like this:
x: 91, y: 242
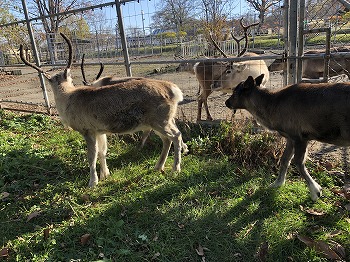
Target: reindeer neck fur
x: 62, y: 86
x: 261, y: 105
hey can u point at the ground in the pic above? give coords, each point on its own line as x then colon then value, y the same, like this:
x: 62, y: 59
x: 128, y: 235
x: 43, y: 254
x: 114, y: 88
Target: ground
x: 24, y: 93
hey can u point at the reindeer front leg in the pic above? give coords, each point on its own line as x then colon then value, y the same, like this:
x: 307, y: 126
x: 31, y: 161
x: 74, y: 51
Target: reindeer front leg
x: 91, y: 143
x: 285, y: 162
x: 299, y: 158
x: 102, y: 152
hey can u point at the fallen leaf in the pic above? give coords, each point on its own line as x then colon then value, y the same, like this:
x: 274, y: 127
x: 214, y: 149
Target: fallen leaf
x: 33, y: 215
x: 347, y: 207
x: 85, y: 239
x: 314, y: 212
x: 320, y: 246
x: 250, y: 228
x: 344, y: 192
x: 4, y: 195
x: 339, y: 249
x: 85, y: 198
x: 4, y: 252
x: 46, y: 233
x: 200, y: 250
x: 263, y: 251
x: 180, y: 225
x: 328, y: 165
x: 334, y: 233
x: 155, y: 256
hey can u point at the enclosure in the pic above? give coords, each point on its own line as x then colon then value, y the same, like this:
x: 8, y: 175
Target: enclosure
x: 155, y: 51
x: 220, y: 206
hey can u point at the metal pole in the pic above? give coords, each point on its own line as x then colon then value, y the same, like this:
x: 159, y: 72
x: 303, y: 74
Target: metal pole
x: 285, y: 36
x: 35, y: 53
x: 293, y: 25
x: 123, y: 39
x: 301, y: 40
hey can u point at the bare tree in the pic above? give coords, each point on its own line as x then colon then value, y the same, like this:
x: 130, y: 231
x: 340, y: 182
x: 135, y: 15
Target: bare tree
x: 52, y: 23
x: 262, y: 6
x: 174, y: 14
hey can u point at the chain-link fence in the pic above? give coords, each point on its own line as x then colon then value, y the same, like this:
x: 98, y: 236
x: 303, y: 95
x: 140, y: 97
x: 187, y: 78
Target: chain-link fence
x: 152, y: 51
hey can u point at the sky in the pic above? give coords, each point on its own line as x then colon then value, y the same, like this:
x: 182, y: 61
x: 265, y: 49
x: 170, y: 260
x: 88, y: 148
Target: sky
x: 133, y: 18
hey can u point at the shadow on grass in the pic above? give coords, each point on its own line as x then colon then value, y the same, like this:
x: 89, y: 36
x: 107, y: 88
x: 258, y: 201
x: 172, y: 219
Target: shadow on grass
x: 148, y: 215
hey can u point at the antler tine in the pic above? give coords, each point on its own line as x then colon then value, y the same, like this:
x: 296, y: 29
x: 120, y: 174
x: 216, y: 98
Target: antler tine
x: 25, y: 61
x: 216, y: 45
x: 245, y: 37
x: 70, y: 50
x: 82, y: 70
x: 100, y: 72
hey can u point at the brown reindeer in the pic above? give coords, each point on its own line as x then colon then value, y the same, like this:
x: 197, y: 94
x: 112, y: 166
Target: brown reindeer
x: 300, y: 113
x: 208, y: 71
x: 313, y: 68
x: 112, y: 80
x: 127, y: 107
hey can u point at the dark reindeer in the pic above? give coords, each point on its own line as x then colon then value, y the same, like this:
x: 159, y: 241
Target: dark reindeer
x: 300, y: 113
x: 313, y: 68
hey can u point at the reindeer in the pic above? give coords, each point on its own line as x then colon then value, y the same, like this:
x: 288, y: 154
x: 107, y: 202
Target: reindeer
x: 300, y: 113
x: 313, y: 68
x: 111, y: 80
x: 127, y: 107
x: 207, y: 71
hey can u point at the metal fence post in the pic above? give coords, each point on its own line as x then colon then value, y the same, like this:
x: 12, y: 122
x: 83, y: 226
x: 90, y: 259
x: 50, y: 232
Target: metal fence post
x: 36, y: 56
x: 291, y: 58
x: 301, y: 40
x: 123, y: 39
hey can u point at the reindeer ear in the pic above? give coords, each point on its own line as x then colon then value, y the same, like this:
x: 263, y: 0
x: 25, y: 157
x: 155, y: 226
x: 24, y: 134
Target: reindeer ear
x: 259, y: 79
x: 240, y: 67
x: 249, y: 82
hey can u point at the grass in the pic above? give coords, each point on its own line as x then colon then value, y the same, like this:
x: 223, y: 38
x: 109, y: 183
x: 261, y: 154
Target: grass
x: 220, y: 204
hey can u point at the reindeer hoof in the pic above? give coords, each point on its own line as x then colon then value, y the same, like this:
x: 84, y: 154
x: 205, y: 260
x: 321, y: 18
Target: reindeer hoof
x: 316, y: 192
x: 277, y: 184
x: 93, y: 183
x: 104, y: 175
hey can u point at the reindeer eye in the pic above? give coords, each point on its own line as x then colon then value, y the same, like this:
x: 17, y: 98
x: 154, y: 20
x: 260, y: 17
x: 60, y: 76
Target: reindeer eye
x: 229, y: 71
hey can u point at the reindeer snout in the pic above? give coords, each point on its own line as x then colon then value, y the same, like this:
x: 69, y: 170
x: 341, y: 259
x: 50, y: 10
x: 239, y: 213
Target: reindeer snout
x: 215, y: 85
x: 227, y: 103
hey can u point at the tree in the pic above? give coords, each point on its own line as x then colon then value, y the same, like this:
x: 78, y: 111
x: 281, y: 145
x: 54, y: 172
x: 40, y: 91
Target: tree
x: 174, y: 14
x: 53, y: 23
x: 11, y: 36
x: 262, y: 6
x: 215, y: 15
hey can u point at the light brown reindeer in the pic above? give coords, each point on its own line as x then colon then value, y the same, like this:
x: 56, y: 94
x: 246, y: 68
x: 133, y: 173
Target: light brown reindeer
x: 119, y: 108
x: 300, y: 113
x: 208, y: 71
x: 313, y: 68
x: 112, y: 80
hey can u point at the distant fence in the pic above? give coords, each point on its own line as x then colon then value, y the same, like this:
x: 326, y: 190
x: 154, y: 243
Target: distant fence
x: 113, y: 44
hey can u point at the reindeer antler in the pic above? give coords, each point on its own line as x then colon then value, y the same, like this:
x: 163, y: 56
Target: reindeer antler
x: 245, y: 37
x: 25, y: 61
x: 216, y: 45
x: 83, y: 72
x: 70, y: 50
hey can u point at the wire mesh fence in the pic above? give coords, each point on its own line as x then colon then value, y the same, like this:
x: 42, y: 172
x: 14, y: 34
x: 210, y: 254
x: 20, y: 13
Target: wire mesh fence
x: 154, y: 51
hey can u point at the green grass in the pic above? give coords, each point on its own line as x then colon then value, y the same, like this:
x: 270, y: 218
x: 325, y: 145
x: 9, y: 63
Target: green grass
x: 221, y: 200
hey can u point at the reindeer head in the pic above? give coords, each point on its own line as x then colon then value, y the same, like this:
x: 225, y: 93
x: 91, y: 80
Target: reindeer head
x: 58, y: 78
x: 242, y: 92
x: 230, y: 77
